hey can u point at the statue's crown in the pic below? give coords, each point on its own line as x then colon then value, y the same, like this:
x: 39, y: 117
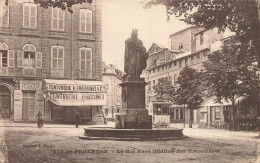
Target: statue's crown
x: 134, y: 32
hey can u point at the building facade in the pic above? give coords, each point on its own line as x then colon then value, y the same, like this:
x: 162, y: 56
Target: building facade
x: 112, y: 77
x: 50, y: 61
x: 190, y: 47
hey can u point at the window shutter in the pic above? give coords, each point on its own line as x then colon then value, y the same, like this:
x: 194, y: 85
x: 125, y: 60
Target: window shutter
x: 19, y: 58
x: 10, y: 58
x: 33, y: 16
x: 82, y: 20
x: 38, y: 59
x: 89, y: 21
x: 25, y: 16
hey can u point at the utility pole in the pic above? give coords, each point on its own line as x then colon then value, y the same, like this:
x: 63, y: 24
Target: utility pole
x: 184, y: 116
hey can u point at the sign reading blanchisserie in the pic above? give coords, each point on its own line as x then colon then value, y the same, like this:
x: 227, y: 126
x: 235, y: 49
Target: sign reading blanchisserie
x: 77, y: 96
x: 76, y: 88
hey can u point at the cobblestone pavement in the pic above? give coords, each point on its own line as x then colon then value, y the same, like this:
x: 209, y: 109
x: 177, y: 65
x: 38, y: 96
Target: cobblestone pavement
x: 58, y: 143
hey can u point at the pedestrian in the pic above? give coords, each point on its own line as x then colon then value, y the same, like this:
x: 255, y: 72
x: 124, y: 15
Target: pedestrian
x: 77, y: 118
x: 39, y: 119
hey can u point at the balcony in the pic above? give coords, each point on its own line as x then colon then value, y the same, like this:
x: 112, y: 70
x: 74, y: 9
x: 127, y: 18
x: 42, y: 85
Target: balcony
x: 17, y: 71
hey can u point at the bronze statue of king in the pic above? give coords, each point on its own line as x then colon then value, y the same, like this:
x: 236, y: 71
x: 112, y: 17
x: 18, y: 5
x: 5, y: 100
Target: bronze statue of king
x: 135, y: 57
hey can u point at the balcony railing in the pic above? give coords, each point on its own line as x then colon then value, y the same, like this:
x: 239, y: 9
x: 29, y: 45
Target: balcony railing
x: 17, y: 71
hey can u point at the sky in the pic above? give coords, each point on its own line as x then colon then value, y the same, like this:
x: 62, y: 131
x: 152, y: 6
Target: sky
x: 119, y: 17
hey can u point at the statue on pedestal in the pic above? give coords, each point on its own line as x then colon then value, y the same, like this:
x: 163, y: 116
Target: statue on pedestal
x: 135, y: 56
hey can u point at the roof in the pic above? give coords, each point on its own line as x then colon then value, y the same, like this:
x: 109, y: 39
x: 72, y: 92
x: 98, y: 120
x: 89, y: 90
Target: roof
x: 185, y: 29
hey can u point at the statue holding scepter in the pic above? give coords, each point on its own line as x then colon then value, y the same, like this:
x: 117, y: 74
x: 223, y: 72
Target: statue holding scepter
x: 135, y: 57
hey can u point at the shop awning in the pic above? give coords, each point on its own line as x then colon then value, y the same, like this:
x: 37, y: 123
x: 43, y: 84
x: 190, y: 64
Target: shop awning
x: 78, y: 103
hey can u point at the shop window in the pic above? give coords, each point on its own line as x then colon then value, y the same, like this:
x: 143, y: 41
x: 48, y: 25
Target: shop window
x: 86, y: 63
x: 29, y: 15
x: 58, y: 17
x: 6, y: 56
x: 4, y: 15
x: 57, y: 57
x: 85, y: 21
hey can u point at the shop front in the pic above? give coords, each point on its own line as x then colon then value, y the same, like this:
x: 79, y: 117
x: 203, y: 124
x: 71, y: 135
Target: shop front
x: 28, y: 100
x: 64, y: 98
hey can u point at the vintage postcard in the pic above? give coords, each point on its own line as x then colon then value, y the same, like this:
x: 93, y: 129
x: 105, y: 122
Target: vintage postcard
x: 129, y: 81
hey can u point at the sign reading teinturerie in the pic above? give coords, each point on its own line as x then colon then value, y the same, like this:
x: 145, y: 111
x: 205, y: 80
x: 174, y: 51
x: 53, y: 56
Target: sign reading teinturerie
x: 76, y: 88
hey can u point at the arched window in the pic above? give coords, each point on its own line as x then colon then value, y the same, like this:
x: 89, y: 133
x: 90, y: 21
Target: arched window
x: 29, y: 58
x: 29, y: 51
x: 6, y: 56
x: 85, y: 62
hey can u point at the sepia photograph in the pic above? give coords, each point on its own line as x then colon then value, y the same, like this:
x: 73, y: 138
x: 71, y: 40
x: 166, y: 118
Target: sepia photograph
x: 133, y: 81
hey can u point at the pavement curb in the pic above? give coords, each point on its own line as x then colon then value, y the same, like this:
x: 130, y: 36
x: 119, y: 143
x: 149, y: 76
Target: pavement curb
x: 131, y: 139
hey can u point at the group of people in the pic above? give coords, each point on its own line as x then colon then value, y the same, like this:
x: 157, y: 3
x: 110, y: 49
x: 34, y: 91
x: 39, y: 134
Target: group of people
x: 40, y: 119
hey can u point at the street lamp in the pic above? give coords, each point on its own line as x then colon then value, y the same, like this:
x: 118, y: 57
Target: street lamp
x: 45, y: 98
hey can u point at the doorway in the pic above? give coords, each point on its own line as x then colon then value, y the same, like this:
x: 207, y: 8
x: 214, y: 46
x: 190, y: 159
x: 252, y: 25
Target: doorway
x: 5, y: 102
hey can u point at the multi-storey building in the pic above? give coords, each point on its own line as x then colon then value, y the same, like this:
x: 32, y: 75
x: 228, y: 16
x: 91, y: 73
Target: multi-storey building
x: 112, y: 77
x: 184, y: 39
x: 189, y: 48
x: 50, y: 61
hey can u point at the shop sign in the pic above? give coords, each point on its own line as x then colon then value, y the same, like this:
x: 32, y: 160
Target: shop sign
x: 30, y: 85
x: 18, y: 105
x: 76, y: 88
x: 77, y: 96
x: 83, y: 98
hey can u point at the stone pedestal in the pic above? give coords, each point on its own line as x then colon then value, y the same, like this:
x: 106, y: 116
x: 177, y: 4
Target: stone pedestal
x: 133, y: 114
